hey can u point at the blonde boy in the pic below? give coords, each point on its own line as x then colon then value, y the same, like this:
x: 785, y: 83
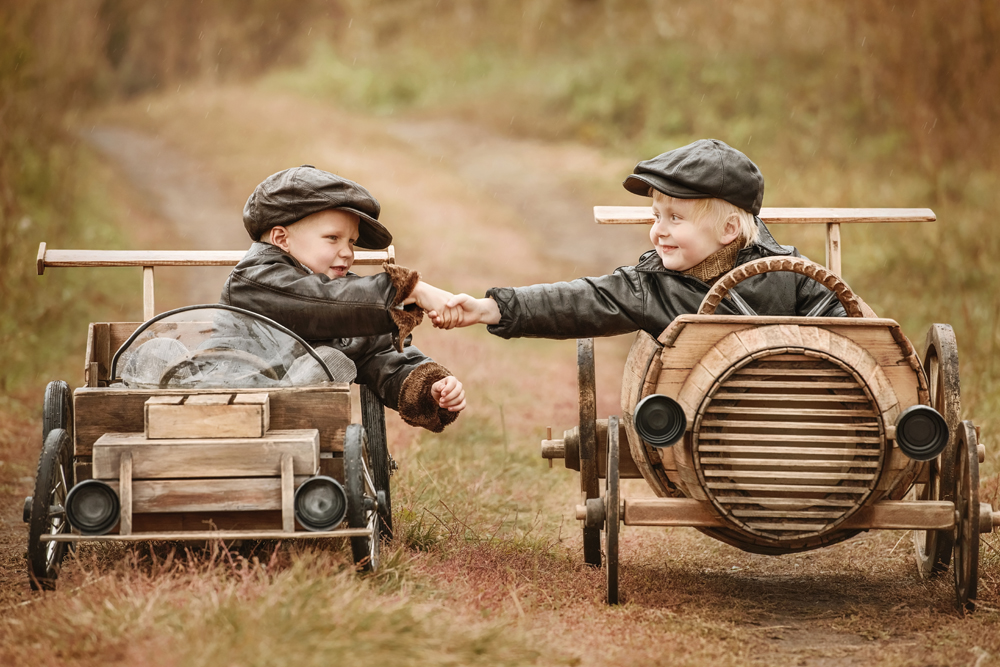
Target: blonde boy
x: 706, y: 197
x: 305, y: 224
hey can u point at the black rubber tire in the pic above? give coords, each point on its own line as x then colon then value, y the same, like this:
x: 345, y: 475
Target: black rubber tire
x: 373, y: 420
x: 52, y: 483
x: 57, y: 408
x: 361, y: 495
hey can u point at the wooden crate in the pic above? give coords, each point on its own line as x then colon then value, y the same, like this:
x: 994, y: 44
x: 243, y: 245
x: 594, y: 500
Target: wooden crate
x: 207, y: 416
x: 207, y: 457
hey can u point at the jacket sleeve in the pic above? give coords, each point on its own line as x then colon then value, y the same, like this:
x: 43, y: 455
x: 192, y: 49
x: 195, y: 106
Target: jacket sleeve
x: 603, y: 306
x: 402, y: 380
x: 318, y: 308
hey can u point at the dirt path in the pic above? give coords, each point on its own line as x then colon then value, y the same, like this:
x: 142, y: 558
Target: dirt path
x: 473, y: 209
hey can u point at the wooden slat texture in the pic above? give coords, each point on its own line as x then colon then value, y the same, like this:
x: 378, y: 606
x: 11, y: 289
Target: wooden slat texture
x: 818, y: 426
x: 238, y: 494
x: 783, y: 437
x: 789, y: 411
x: 224, y: 457
x: 794, y: 503
x: 798, y: 488
x: 790, y: 474
x: 810, y: 398
x: 106, y: 410
x: 632, y: 215
x: 209, y: 535
x: 208, y: 416
x: 772, y: 384
x: 50, y: 257
x: 786, y: 463
x: 772, y: 449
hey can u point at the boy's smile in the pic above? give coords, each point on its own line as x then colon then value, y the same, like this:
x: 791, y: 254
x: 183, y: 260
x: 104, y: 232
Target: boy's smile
x: 680, y: 239
x: 323, y: 242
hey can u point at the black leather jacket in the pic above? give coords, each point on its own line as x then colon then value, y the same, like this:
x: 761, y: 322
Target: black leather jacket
x: 351, y: 313
x: 648, y: 297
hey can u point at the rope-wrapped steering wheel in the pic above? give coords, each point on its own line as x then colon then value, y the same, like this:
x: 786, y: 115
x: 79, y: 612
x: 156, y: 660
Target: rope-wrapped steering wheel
x: 828, y: 279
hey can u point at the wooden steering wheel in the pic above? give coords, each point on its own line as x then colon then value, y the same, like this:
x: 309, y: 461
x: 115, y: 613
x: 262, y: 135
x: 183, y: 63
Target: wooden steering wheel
x: 852, y: 304
x: 217, y: 354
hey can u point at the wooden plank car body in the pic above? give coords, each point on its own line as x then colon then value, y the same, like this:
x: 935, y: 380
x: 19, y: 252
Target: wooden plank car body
x: 204, y: 441
x: 783, y: 434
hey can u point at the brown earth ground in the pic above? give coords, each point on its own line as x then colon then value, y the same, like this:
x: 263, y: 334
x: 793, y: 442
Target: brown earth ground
x: 471, y: 209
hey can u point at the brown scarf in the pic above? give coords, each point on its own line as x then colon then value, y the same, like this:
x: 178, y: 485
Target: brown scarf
x: 719, y: 262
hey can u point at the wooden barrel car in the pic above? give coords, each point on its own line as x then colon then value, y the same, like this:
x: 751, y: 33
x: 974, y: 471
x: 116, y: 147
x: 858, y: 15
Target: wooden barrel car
x: 784, y: 434
x: 168, y: 451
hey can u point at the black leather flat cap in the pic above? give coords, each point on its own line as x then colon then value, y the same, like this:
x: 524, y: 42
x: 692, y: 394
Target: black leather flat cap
x: 706, y: 168
x: 290, y: 195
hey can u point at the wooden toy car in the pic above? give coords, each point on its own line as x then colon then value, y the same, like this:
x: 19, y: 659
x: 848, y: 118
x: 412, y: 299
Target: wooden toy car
x: 204, y: 423
x: 784, y: 434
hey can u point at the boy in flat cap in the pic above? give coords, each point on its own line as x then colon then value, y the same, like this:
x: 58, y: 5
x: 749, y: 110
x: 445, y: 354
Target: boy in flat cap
x: 706, y: 197
x: 305, y: 224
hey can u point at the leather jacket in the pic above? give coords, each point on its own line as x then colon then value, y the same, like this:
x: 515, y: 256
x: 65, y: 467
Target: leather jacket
x: 354, y: 314
x: 648, y: 297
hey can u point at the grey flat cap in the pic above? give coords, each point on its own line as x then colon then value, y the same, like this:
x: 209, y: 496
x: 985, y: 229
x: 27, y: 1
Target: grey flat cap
x: 292, y: 194
x: 706, y: 168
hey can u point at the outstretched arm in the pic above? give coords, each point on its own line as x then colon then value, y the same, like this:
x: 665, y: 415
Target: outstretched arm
x: 462, y: 310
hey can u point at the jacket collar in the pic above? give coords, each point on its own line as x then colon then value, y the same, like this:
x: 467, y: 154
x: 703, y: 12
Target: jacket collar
x: 765, y: 246
x: 261, y: 252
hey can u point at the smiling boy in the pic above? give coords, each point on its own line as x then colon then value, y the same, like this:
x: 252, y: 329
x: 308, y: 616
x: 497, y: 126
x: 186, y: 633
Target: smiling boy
x: 706, y: 198
x: 305, y: 224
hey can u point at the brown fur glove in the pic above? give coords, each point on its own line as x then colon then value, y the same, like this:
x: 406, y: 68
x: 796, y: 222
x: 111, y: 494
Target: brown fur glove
x: 416, y: 405
x: 408, y: 317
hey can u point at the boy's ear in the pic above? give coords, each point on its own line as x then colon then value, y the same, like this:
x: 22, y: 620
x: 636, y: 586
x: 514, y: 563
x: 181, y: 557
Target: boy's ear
x: 278, y: 236
x: 730, y: 230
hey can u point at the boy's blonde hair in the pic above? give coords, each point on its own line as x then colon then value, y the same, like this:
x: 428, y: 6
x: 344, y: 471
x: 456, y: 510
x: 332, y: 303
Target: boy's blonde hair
x: 716, y: 212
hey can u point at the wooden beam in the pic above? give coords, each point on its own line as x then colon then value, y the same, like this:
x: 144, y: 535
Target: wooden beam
x: 208, y: 457
x: 833, y: 247
x: 288, y: 493
x: 102, y: 258
x: 668, y: 512
x: 148, y: 307
x: 643, y: 215
x: 884, y: 515
x: 125, y: 493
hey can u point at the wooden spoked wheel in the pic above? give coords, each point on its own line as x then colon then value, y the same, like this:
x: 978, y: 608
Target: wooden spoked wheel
x: 612, y: 497
x: 967, y: 509
x: 798, y: 265
x: 934, y: 547
x: 362, y: 499
x: 589, y: 483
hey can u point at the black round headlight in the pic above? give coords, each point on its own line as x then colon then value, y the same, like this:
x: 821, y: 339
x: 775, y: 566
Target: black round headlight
x: 660, y: 420
x: 92, y: 507
x: 921, y: 432
x: 320, y: 503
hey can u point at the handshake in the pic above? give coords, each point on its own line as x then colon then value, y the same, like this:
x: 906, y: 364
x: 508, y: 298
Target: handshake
x: 448, y: 311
